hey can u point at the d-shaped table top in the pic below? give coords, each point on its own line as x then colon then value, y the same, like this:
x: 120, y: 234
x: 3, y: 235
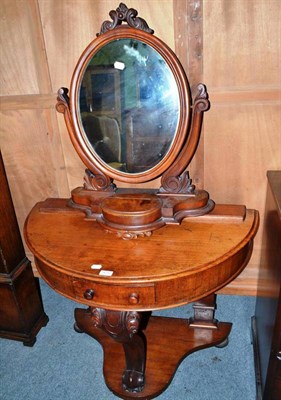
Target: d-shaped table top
x: 176, y: 265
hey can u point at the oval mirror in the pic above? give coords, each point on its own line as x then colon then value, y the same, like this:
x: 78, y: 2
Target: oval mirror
x: 129, y: 105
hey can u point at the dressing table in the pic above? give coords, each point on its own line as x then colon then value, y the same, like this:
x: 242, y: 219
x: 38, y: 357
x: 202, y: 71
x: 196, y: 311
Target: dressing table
x: 125, y: 252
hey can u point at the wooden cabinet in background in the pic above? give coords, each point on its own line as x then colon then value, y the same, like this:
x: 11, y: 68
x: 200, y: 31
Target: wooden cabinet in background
x: 21, y: 309
x: 267, y: 320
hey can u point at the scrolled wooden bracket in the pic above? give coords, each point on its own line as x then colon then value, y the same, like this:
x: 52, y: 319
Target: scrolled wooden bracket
x: 63, y: 100
x: 124, y: 14
x: 201, y: 101
x: 98, y: 182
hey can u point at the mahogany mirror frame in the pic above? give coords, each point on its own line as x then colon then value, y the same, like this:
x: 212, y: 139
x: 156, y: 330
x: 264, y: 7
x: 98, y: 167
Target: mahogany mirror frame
x: 77, y: 135
x: 177, y: 197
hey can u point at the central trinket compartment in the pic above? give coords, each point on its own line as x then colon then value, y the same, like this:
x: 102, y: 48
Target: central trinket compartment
x: 131, y: 215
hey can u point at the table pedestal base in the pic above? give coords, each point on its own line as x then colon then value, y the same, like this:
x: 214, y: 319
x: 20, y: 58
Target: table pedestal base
x: 169, y: 341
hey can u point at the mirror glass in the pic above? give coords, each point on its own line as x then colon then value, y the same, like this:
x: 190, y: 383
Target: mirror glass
x: 129, y: 105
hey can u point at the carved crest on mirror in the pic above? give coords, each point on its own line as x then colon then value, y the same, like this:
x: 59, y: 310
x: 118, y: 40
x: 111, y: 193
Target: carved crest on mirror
x: 131, y: 119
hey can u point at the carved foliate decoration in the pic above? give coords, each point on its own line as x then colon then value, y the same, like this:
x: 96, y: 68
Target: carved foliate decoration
x: 132, y: 322
x: 124, y: 14
x: 178, y: 184
x: 127, y: 235
x: 117, y: 324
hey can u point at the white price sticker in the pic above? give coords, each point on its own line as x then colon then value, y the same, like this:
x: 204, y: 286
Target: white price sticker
x: 96, y: 266
x: 104, y: 272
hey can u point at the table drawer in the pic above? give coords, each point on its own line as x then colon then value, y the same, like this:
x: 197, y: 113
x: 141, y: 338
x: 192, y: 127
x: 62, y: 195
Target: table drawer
x: 112, y: 296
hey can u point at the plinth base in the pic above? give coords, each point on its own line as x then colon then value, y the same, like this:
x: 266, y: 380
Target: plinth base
x: 169, y: 341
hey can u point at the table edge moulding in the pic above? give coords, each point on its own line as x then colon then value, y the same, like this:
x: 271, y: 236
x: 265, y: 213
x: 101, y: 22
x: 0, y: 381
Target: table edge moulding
x: 125, y: 252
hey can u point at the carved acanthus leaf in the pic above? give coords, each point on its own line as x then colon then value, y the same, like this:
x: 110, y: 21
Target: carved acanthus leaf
x: 178, y: 184
x: 123, y: 14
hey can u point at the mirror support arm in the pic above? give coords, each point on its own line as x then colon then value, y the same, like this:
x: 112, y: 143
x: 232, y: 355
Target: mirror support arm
x: 174, y: 180
x: 95, y: 179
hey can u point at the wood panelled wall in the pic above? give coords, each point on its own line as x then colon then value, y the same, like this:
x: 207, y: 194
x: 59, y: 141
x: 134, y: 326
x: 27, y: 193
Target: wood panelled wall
x: 243, y: 128
x: 233, y: 46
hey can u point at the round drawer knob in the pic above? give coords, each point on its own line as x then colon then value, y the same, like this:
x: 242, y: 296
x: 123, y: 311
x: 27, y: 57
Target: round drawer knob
x: 134, y: 298
x: 89, y: 294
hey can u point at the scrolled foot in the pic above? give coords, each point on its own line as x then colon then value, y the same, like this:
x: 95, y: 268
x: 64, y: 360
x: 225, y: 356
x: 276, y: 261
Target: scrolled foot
x: 133, y: 381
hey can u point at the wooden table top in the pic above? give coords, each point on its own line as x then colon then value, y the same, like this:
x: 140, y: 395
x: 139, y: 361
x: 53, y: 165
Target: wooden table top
x: 176, y: 265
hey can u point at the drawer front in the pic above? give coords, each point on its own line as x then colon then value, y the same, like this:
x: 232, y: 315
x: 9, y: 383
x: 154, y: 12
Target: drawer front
x: 112, y: 296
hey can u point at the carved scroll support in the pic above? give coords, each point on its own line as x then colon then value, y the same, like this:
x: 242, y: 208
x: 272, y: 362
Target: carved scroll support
x: 123, y: 327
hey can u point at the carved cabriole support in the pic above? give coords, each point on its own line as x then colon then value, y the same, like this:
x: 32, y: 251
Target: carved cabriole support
x: 123, y: 327
x: 174, y: 180
x: 94, y: 178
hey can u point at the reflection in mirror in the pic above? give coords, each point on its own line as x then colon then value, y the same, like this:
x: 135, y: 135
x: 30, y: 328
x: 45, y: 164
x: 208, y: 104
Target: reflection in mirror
x: 129, y: 105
